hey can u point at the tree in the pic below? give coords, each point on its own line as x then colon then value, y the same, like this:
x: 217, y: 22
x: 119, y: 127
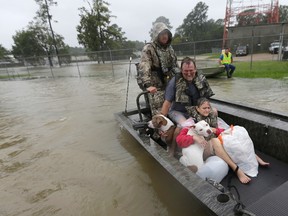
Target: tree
x: 197, y: 27
x: 137, y: 45
x: 95, y: 32
x: 193, y: 25
x: 26, y: 44
x: 50, y: 41
x: 3, y: 52
x: 163, y: 20
x: 214, y: 29
x: 36, y: 42
x: 283, y: 13
x: 249, y: 17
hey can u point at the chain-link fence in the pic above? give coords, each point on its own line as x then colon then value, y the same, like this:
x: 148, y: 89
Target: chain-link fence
x: 206, y: 54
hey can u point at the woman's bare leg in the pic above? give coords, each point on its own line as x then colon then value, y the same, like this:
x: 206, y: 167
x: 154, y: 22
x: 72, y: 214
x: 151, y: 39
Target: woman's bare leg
x: 220, y: 152
x: 261, y: 162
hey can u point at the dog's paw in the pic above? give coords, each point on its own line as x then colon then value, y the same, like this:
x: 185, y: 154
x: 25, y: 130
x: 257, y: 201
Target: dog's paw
x: 170, y: 152
x: 193, y: 168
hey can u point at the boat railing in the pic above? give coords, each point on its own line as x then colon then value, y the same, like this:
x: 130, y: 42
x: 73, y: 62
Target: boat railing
x: 145, y: 93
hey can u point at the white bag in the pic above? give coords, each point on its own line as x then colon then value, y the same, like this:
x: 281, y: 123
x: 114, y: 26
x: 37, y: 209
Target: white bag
x: 239, y: 147
x: 222, y: 124
x: 214, y: 168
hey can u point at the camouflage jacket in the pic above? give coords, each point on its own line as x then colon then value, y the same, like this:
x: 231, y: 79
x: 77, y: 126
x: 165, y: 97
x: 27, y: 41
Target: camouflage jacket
x: 211, y: 119
x: 158, y: 63
x: 199, y: 81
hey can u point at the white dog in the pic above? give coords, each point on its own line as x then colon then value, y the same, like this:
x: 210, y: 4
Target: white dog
x: 193, y: 154
x: 236, y: 142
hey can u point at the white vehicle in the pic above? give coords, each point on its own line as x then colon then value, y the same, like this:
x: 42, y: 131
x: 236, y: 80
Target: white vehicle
x: 274, y: 47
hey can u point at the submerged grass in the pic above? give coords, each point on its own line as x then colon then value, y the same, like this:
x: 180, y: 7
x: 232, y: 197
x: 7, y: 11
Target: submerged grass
x: 262, y: 69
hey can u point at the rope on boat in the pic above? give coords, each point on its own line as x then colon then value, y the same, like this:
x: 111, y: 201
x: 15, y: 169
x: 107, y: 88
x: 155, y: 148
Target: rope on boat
x: 239, y: 208
x: 127, y: 90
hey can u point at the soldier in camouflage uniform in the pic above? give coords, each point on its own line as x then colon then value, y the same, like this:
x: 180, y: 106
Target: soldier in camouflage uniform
x: 184, y: 90
x: 157, y: 66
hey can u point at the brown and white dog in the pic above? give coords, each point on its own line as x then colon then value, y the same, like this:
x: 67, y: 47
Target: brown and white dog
x: 165, y: 129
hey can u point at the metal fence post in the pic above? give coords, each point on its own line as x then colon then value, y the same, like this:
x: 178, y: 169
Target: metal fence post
x: 252, y: 45
x: 194, y: 47
x: 7, y: 71
x: 111, y: 59
x: 77, y: 66
x: 281, y: 42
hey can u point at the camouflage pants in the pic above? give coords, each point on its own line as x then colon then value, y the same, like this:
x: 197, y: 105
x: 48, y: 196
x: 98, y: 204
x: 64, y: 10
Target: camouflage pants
x: 156, y: 101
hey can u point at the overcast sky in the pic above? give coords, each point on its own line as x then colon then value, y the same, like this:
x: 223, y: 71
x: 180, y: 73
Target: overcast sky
x: 135, y: 17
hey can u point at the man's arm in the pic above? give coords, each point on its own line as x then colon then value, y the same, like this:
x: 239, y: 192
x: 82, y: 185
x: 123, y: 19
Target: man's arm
x: 220, y: 59
x: 145, y: 68
x: 169, y: 97
x: 165, y: 107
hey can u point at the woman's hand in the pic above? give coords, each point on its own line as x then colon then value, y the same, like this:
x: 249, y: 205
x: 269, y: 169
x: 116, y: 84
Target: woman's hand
x: 213, y: 130
x: 163, y: 133
x: 200, y: 140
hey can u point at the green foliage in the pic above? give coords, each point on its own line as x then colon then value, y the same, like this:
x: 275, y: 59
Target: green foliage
x: 194, y: 23
x: 26, y: 44
x: 283, y: 13
x: 163, y: 20
x: 39, y: 39
x: 42, y: 14
x: 95, y: 32
x: 262, y: 69
x: 133, y: 45
x: 76, y: 50
x: 47, y: 38
x: 249, y: 17
x: 196, y: 27
x: 3, y: 51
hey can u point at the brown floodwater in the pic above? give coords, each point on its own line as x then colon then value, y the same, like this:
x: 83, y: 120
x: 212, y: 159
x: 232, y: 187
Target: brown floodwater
x: 63, y: 153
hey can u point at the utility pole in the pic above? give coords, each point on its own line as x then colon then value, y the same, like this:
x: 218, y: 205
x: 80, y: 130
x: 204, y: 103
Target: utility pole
x: 52, y: 32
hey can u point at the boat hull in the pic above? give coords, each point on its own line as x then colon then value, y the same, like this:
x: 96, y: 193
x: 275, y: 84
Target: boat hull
x: 269, y: 132
x: 210, y: 72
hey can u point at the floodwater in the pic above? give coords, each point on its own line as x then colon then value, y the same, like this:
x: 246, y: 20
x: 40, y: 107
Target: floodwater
x: 63, y: 153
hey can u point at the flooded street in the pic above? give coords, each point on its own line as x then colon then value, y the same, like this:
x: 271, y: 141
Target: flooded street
x: 63, y: 153
x: 268, y: 94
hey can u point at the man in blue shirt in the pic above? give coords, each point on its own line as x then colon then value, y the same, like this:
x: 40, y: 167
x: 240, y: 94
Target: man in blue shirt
x: 184, y: 90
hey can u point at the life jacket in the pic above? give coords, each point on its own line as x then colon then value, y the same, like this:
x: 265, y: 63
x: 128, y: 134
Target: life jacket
x: 226, y: 59
x: 182, y: 87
